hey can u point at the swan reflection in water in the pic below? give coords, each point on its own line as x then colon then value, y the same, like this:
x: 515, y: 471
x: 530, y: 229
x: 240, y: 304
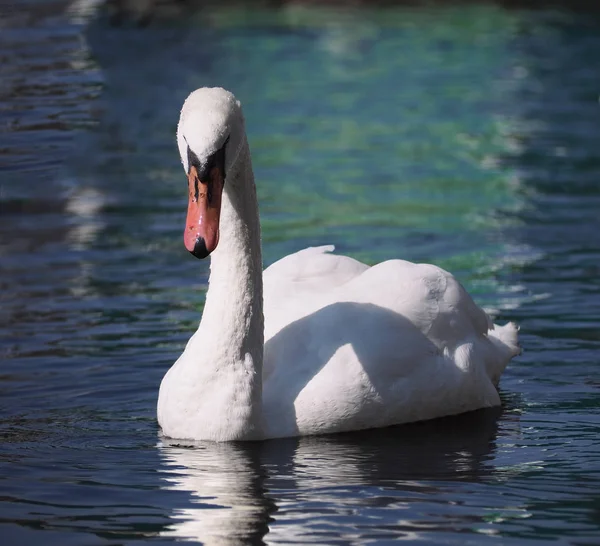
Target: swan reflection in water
x: 241, y: 493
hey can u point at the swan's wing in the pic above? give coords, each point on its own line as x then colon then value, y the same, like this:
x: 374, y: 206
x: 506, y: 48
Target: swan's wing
x: 301, y: 283
x: 431, y: 298
x: 400, y: 342
x: 438, y: 305
x: 313, y: 268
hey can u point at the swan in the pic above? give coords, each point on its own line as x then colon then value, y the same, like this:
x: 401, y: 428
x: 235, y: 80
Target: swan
x: 317, y: 343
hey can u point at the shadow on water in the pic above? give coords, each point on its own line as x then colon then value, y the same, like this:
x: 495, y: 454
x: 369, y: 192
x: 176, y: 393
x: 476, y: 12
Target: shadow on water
x: 243, y: 492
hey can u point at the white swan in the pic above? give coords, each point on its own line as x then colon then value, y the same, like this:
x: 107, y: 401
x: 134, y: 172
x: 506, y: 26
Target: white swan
x: 343, y: 346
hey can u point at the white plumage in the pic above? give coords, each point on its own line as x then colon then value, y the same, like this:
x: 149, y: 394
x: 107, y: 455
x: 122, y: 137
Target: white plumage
x: 343, y: 346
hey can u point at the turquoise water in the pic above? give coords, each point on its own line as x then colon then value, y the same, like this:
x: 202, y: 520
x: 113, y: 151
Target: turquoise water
x: 462, y: 136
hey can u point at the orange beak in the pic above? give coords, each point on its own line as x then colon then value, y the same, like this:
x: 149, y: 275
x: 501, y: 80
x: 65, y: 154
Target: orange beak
x: 201, y: 234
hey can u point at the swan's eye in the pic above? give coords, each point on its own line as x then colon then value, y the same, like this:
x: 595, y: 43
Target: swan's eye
x: 215, y: 160
x: 193, y: 160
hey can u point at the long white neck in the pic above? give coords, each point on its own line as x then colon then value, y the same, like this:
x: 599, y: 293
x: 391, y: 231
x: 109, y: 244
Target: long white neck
x: 230, y: 339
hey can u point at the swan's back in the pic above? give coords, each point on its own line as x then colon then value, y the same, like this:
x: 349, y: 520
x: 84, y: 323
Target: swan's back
x: 300, y: 283
x: 350, y: 346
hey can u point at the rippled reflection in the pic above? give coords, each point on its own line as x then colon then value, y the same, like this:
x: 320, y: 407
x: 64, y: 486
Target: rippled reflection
x: 373, y: 482
x: 228, y: 502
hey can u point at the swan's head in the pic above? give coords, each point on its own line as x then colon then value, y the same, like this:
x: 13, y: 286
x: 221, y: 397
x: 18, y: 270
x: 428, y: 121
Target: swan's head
x: 210, y: 135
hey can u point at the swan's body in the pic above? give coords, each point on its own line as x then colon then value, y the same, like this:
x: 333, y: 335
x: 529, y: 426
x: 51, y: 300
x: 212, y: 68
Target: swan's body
x: 343, y: 346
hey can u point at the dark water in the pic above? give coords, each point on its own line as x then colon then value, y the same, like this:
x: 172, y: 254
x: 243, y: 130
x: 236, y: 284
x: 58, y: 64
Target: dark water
x: 464, y: 136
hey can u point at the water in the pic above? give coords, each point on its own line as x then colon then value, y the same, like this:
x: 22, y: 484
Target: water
x: 464, y: 136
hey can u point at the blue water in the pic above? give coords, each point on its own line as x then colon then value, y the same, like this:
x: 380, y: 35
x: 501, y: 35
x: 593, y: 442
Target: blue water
x: 464, y: 136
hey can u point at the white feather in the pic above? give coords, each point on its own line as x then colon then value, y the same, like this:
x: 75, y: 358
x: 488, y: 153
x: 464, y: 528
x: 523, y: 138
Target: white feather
x: 343, y: 346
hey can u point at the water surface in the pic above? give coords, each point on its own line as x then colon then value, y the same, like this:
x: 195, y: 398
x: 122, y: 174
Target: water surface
x: 462, y: 136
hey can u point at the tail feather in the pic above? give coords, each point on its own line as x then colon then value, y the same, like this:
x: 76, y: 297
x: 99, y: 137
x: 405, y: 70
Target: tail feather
x: 505, y: 340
